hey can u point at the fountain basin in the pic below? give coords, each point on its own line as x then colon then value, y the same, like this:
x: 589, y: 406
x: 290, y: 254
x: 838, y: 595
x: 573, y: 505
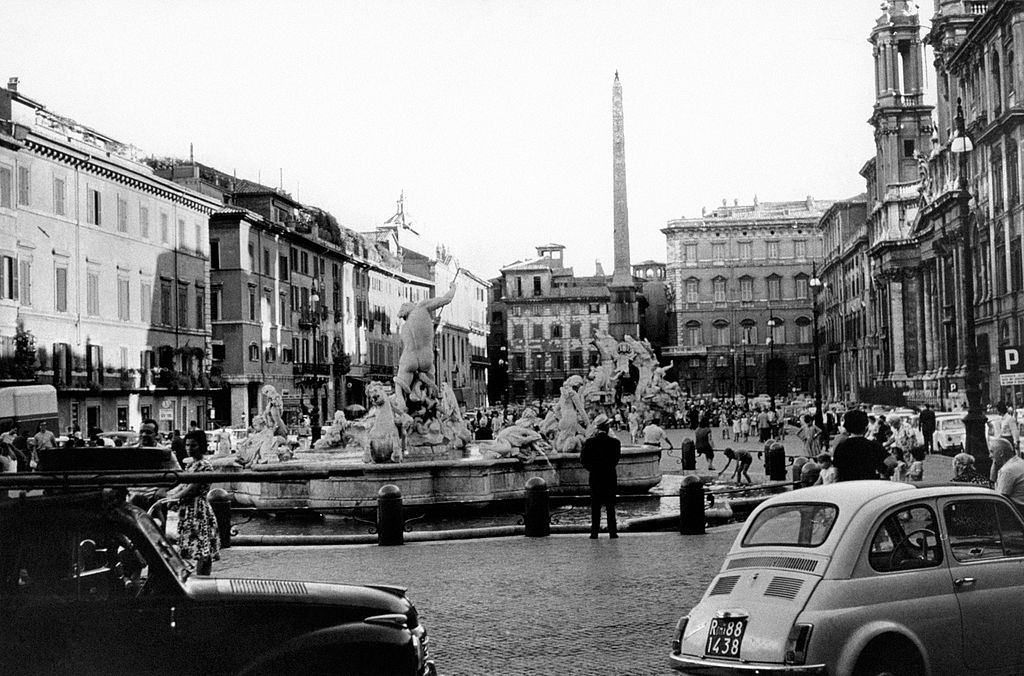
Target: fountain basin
x: 438, y: 482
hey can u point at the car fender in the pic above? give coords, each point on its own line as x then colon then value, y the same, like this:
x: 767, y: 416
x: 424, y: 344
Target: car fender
x: 864, y: 634
x: 356, y: 635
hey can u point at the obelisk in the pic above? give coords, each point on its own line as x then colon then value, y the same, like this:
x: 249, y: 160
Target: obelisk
x: 623, y: 315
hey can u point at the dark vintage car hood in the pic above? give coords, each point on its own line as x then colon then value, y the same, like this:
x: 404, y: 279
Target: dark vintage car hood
x: 372, y: 599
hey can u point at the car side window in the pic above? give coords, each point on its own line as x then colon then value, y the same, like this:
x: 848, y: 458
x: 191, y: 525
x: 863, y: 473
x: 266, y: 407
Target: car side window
x: 980, y: 530
x: 906, y: 540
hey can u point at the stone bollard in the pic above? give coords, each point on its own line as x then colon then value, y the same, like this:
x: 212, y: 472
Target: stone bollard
x: 691, y: 506
x: 796, y: 469
x: 220, y: 501
x: 775, y: 462
x: 538, y: 511
x: 687, y: 454
x: 390, y: 519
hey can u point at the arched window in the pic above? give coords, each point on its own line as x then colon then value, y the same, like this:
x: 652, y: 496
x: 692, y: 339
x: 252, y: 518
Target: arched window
x: 254, y: 352
x: 748, y: 332
x: 721, y: 332
x: 1009, y: 84
x: 997, y: 88
x: 718, y: 284
x: 746, y: 289
x: 803, y: 330
x: 693, y: 335
x: 801, y: 282
x: 692, y: 289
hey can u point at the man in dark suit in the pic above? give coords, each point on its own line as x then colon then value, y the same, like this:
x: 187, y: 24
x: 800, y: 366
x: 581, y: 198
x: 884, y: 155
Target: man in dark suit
x: 927, y: 421
x: 599, y: 457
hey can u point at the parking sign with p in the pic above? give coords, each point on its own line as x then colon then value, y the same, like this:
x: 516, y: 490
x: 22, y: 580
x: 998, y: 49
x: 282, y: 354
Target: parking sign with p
x: 1011, y: 365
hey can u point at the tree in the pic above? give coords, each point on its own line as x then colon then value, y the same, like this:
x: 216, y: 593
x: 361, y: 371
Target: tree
x: 21, y: 364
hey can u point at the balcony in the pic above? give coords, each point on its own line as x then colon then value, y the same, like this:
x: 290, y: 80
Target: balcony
x: 305, y: 368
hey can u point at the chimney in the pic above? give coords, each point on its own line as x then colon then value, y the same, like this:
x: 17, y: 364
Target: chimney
x: 810, y: 203
x: 12, y: 84
x: 598, y: 269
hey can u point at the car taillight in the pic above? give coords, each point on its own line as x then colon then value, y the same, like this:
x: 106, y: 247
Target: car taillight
x: 796, y: 643
x: 677, y: 642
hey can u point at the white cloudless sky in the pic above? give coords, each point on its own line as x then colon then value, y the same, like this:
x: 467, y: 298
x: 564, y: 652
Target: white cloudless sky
x: 493, y: 117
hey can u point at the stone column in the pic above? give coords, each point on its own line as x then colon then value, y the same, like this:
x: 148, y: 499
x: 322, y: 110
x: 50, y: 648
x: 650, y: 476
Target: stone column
x: 899, y: 366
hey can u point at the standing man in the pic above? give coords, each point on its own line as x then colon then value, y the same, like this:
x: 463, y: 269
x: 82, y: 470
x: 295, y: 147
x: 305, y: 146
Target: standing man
x: 599, y: 457
x: 1009, y: 479
x: 1006, y: 427
x: 764, y: 426
x: 654, y: 436
x: 927, y: 422
x: 857, y: 457
x: 44, y: 437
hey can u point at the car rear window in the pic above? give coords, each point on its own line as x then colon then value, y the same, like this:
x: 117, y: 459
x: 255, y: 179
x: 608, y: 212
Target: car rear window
x: 804, y: 524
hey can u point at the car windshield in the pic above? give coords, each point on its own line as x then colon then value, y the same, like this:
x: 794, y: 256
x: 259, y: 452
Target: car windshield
x: 792, y: 525
x: 951, y: 424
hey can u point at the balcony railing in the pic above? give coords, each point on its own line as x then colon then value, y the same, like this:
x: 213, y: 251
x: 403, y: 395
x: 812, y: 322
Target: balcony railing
x: 306, y: 368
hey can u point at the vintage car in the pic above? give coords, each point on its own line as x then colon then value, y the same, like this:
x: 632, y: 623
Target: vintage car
x: 89, y: 584
x: 865, y: 578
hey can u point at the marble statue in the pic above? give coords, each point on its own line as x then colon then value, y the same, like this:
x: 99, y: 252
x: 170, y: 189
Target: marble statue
x: 572, y: 417
x: 415, y: 377
x: 384, y: 439
x: 335, y: 436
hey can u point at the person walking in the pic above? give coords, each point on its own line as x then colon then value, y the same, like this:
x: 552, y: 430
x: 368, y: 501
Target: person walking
x: 198, y: 536
x: 599, y: 456
x: 857, y: 457
x: 927, y: 422
x: 1006, y: 426
x: 810, y: 434
x: 704, y: 446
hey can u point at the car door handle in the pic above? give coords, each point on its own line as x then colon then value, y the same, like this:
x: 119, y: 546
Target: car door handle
x: 964, y: 582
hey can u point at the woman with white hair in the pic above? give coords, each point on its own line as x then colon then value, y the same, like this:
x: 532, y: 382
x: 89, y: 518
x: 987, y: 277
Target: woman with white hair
x: 964, y: 471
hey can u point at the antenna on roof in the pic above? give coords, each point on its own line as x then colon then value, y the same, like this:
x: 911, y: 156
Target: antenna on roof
x: 191, y: 155
x: 280, y: 180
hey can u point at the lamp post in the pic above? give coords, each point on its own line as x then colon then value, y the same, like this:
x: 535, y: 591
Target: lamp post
x: 816, y: 286
x: 974, y: 421
x: 314, y: 417
x: 732, y: 353
x: 771, y: 358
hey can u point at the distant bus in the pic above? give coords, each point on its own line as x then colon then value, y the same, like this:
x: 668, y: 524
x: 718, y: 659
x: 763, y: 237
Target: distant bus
x: 29, y: 405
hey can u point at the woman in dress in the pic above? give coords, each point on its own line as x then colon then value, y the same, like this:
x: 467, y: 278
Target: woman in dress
x: 198, y: 537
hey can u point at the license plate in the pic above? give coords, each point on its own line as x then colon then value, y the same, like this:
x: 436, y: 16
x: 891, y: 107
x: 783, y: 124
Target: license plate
x: 725, y: 636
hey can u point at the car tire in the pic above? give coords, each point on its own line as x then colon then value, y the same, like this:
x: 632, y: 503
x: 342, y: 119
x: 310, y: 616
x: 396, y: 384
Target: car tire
x: 889, y: 659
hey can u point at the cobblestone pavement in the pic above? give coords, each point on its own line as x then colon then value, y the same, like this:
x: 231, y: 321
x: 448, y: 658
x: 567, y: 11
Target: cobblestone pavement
x: 556, y: 605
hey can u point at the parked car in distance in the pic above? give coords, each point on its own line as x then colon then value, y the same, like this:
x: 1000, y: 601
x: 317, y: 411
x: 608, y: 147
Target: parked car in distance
x: 90, y: 585
x: 949, y: 433
x: 864, y: 578
x: 119, y: 438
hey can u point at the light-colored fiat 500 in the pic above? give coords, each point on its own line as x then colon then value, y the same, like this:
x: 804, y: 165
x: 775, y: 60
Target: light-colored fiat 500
x: 865, y: 577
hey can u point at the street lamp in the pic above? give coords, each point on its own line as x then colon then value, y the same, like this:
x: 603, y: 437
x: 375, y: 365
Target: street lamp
x: 732, y: 353
x: 974, y: 422
x: 817, y: 286
x: 314, y: 418
x: 770, y: 341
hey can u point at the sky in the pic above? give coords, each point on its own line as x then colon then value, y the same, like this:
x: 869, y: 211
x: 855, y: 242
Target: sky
x: 492, y: 117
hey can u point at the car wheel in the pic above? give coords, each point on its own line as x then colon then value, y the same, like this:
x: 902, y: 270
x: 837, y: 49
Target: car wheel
x: 889, y: 658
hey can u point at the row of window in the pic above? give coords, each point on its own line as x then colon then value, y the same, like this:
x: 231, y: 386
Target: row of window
x: 773, y: 288
x: 96, y: 209
x: 572, y: 309
x: 556, y: 330
x: 748, y: 334
x: 16, y: 284
x: 689, y: 254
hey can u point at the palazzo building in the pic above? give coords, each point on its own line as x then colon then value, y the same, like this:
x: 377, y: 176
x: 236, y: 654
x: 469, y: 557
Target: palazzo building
x: 741, y: 297
x: 105, y: 265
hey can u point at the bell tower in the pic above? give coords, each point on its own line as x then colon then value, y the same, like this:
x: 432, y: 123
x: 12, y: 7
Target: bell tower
x: 902, y: 121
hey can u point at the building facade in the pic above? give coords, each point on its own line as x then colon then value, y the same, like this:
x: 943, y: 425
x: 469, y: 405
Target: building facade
x: 741, y: 297
x: 915, y: 215
x: 846, y: 351
x: 105, y: 264
x: 551, y: 318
